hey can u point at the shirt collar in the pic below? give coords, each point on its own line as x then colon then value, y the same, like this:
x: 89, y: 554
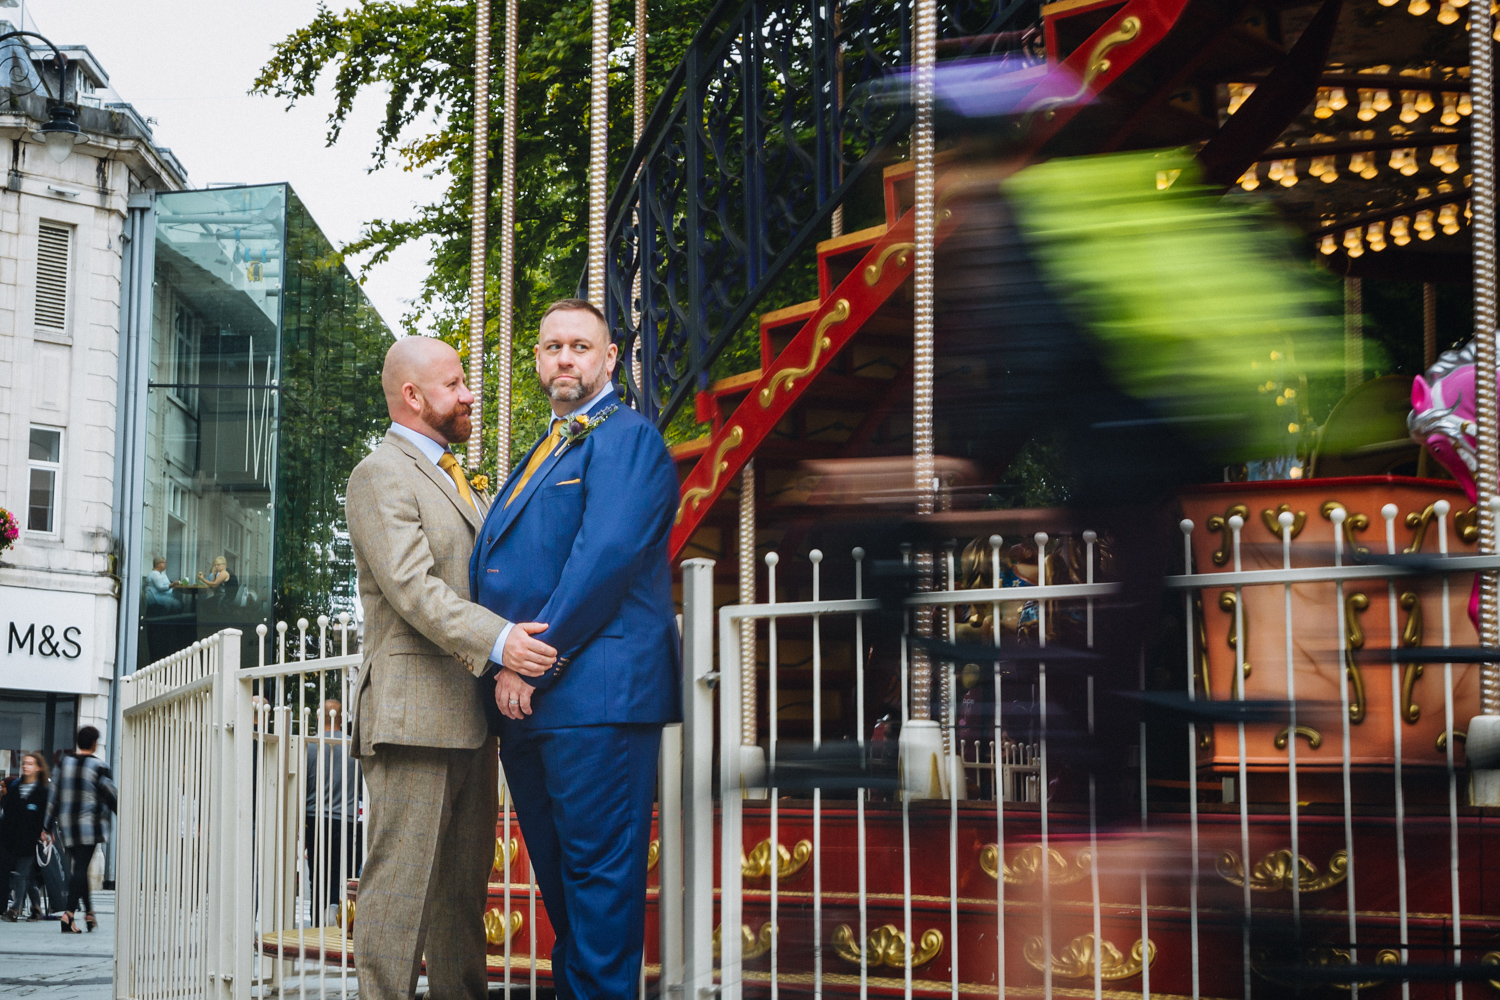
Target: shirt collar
x: 432, y: 449
x: 609, y: 388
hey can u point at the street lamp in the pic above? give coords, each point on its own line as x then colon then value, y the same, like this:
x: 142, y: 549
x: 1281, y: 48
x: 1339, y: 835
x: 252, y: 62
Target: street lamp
x: 61, y: 133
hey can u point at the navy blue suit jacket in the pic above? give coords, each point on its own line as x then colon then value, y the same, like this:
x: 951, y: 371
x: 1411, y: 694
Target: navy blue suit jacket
x: 584, y: 549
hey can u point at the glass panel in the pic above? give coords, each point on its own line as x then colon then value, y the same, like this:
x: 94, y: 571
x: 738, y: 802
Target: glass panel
x: 43, y: 482
x: 46, y: 446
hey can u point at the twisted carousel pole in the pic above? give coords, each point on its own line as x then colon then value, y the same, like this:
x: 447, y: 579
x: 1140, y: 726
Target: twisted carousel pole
x: 638, y: 124
x: 507, y: 247
x: 479, y: 212
x: 598, y: 151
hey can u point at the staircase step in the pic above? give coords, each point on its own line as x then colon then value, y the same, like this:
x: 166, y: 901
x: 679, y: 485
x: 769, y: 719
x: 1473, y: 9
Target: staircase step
x: 779, y: 326
x: 842, y: 254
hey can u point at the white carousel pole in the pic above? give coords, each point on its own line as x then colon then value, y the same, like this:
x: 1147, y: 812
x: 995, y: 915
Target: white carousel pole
x: 507, y: 248
x: 638, y: 125
x: 598, y: 151
x: 479, y: 213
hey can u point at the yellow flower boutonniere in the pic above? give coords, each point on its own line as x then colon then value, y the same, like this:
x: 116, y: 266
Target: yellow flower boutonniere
x: 480, y: 482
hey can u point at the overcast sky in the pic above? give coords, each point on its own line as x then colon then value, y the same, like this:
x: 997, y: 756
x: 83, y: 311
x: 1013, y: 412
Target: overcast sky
x: 189, y: 63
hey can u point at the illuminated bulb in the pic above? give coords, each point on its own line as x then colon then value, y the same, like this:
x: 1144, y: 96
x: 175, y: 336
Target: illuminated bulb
x: 1325, y: 168
x: 1323, y: 109
x: 1424, y: 102
x: 1337, y: 100
x: 1366, y: 110
x: 1400, y: 234
x: 1354, y: 246
x: 1447, y: 13
x: 1448, y: 219
x: 1408, y: 106
x: 1382, y: 100
x: 1238, y: 92
x: 1450, y: 109
x: 1249, y: 180
x: 1329, y: 245
x: 1409, y: 164
x: 1418, y: 7
x: 1465, y: 105
x: 1274, y: 172
x: 1449, y: 158
x: 1289, y: 173
x: 1468, y: 211
x: 1375, y: 236
x: 1423, y: 224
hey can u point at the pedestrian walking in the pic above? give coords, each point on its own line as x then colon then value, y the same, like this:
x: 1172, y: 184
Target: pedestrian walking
x: 23, y: 810
x: 78, y: 814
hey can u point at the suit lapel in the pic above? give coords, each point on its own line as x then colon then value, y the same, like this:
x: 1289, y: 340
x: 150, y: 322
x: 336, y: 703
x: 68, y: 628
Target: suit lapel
x: 439, y: 478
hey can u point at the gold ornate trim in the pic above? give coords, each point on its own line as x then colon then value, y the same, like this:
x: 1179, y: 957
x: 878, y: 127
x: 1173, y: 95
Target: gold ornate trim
x: 1411, y: 638
x: 1442, y: 740
x: 1220, y: 523
x: 1492, y: 958
x: 1418, y: 523
x: 697, y: 493
x: 501, y: 850
x: 1096, y: 66
x: 1227, y: 601
x: 751, y: 944
x: 897, y: 250
x: 837, y: 314
x: 495, y: 930
x: 1203, y: 671
x: 1355, y: 605
x: 1077, y: 959
x: 1352, y: 523
x: 1323, y: 955
x: 886, y: 946
x: 757, y: 864
x: 653, y: 855
x: 1313, y: 737
x: 1269, y: 518
x: 1026, y: 865
x: 1274, y: 871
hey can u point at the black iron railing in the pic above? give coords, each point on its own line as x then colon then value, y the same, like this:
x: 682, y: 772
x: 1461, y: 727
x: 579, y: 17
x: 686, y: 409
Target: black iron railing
x: 777, y: 110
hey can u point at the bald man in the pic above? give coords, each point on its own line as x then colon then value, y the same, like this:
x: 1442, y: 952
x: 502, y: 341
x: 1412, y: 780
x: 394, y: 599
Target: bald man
x: 419, y: 730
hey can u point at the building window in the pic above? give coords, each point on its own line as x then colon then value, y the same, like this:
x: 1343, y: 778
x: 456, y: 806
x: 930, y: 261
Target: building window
x: 185, y: 357
x: 179, y: 544
x: 46, y: 465
x: 54, y: 246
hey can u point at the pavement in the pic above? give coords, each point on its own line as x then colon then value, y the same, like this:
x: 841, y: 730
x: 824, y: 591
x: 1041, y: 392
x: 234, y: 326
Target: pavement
x: 37, y: 960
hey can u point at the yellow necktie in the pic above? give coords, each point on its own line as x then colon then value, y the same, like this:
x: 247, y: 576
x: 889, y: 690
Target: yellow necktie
x: 449, y: 464
x: 537, y: 458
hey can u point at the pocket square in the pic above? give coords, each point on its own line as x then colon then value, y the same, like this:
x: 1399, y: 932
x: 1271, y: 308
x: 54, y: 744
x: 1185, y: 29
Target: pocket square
x: 568, y: 482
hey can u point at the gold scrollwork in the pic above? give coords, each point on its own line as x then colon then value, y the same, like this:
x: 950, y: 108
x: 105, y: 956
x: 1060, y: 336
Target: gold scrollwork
x: 751, y: 944
x: 502, y: 848
x: 1274, y: 871
x: 1227, y: 601
x: 495, y: 929
x: 346, y: 915
x: 1467, y: 524
x: 653, y: 854
x: 1320, y: 955
x: 1270, y: 518
x: 1442, y: 739
x: 1203, y: 674
x: 1355, y: 605
x: 1411, y: 638
x: 886, y: 946
x: 1352, y: 523
x: 733, y: 440
x: 1492, y: 958
x: 901, y: 251
x: 1093, y: 69
x: 1025, y: 866
x: 1077, y: 959
x: 1313, y: 737
x: 1418, y: 521
x: 821, y: 343
x: 757, y: 864
x: 1220, y: 523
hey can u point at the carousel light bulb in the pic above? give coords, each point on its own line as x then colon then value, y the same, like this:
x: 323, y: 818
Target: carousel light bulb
x: 1323, y: 109
x: 1424, y: 102
x: 1418, y: 7
x: 1249, y: 180
x: 1366, y: 110
x: 1337, y: 99
x: 1400, y: 234
x: 1330, y: 169
x: 1375, y: 236
x: 1448, y: 219
x: 1409, y: 166
x: 1329, y: 245
x: 1274, y: 172
x: 1289, y: 173
x: 1468, y: 211
x: 1450, y: 109
x: 1382, y: 101
x: 1423, y: 225
x: 1408, y: 106
x: 1354, y: 245
x: 1238, y: 93
x: 1465, y: 104
x: 1447, y: 13
x: 1450, y: 160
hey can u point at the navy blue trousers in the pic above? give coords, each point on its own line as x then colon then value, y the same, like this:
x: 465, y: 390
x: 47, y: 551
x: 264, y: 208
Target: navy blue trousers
x: 584, y: 796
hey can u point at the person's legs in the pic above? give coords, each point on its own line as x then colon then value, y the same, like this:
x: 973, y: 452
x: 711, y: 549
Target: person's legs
x: 456, y: 945
x: 20, y: 882
x: 410, y: 807
x: 604, y: 830
x: 79, y: 857
x: 520, y: 752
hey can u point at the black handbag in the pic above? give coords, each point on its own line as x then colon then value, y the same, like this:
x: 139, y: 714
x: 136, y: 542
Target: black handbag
x: 50, y: 868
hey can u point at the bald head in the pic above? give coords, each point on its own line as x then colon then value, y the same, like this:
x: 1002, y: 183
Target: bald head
x: 424, y: 389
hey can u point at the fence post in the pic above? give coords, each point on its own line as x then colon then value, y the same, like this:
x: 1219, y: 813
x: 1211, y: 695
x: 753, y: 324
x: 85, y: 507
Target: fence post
x: 232, y: 827
x: 669, y: 864
x: 127, y: 871
x: 697, y: 778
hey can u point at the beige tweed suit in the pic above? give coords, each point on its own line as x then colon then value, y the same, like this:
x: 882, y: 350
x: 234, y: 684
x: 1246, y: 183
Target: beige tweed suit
x: 428, y: 758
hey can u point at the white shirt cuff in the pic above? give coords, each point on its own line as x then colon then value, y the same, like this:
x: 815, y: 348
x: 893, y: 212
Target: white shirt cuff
x: 499, y: 649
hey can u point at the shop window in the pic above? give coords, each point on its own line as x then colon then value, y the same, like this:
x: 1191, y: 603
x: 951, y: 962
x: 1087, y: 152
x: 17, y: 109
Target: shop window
x: 179, y: 545
x: 54, y: 247
x: 45, y: 468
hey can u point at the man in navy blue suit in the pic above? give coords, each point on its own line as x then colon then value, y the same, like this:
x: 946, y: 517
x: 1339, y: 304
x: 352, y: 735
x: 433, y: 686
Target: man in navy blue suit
x: 576, y: 542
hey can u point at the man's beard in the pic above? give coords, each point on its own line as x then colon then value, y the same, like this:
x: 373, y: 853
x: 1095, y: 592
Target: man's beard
x: 453, y: 425
x: 572, y: 392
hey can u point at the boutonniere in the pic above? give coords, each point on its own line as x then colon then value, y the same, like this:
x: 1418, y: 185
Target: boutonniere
x: 480, y: 482
x: 579, y: 427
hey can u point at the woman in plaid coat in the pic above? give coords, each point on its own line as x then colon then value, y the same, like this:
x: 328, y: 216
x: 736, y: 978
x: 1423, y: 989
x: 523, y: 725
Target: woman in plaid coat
x: 83, y: 796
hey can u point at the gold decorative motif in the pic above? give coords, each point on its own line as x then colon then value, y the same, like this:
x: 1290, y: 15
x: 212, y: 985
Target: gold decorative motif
x: 1411, y: 638
x: 886, y: 946
x: 346, y: 915
x: 1093, y: 69
x: 1418, y: 523
x: 501, y: 851
x: 1492, y: 958
x: 1203, y: 673
x: 1322, y: 955
x: 757, y: 864
x: 1220, y: 523
x: 697, y: 493
x: 653, y: 855
x: 1352, y: 523
x: 1227, y: 601
x: 495, y: 930
x: 1313, y: 737
x: 1442, y: 739
x: 751, y: 945
x: 1270, y: 518
x: 837, y: 314
x: 1274, y: 871
x: 1077, y: 959
x: 1354, y: 633
x: 898, y: 250
x: 1026, y: 865
x: 1467, y: 524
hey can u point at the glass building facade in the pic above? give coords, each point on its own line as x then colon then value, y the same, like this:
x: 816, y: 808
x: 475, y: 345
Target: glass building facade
x: 263, y: 392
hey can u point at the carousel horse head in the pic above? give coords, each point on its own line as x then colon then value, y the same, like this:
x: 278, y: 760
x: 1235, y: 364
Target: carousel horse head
x: 1442, y: 415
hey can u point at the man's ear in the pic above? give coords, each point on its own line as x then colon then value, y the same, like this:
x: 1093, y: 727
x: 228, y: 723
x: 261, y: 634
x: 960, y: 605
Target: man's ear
x: 412, y: 397
x: 611, y: 357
